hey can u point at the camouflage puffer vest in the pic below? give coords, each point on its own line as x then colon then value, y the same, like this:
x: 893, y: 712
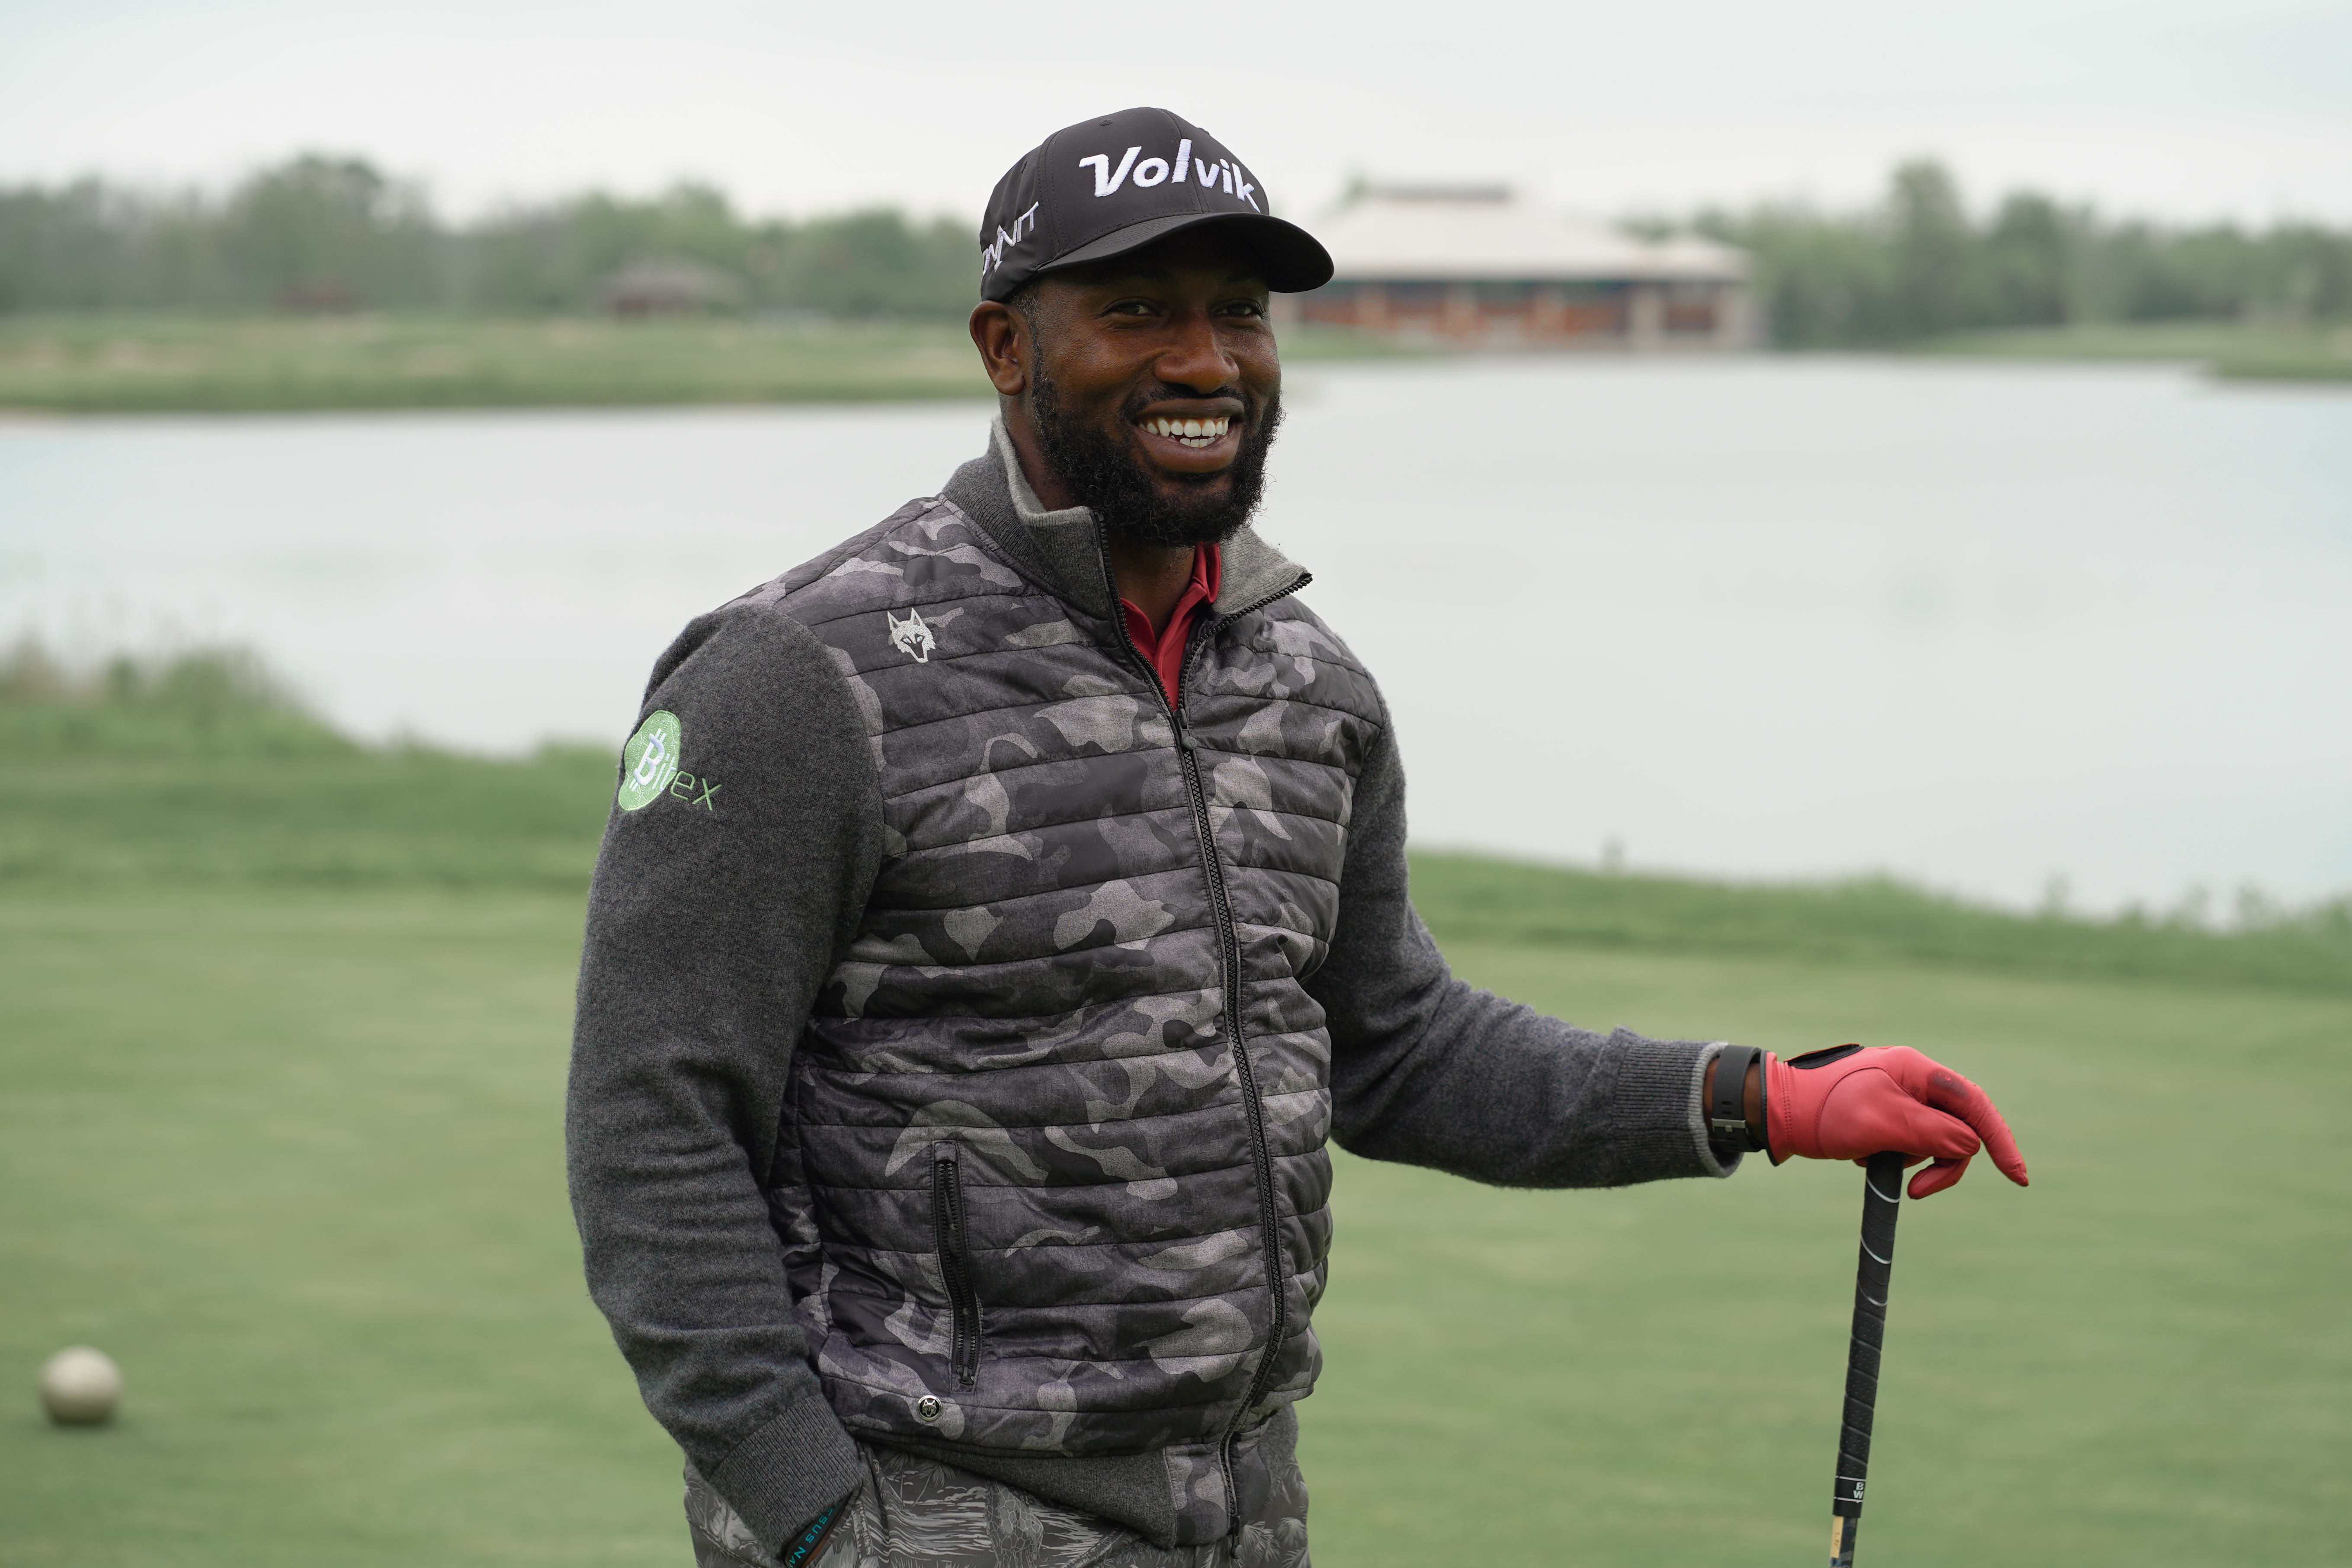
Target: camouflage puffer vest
x: 1052, y: 1178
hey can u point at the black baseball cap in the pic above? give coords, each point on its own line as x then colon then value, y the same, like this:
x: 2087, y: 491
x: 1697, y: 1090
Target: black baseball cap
x: 1103, y: 187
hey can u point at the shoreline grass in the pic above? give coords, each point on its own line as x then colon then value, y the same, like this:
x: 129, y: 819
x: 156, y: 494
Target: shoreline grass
x: 1869, y: 920
x: 198, y: 771
x: 106, y: 363
x: 127, y: 363
x: 2231, y: 350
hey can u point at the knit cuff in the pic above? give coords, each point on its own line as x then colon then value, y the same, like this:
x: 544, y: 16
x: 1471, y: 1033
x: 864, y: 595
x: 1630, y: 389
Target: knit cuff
x: 790, y: 1471
x: 1659, y: 1127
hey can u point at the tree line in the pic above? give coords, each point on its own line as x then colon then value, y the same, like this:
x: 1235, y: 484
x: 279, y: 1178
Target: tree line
x: 324, y: 232
x: 329, y: 233
x: 1916, y: 264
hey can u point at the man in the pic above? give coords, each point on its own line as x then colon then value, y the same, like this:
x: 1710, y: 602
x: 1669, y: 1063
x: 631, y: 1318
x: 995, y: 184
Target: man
x: 998, y: 913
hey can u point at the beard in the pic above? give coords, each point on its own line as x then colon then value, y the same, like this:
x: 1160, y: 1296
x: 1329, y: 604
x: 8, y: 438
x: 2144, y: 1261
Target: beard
x: 1114, y: 482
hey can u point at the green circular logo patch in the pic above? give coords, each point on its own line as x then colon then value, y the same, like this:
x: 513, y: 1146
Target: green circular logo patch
x: 650, y: 760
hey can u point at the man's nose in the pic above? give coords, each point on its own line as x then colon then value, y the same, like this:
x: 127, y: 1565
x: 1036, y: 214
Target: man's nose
x: 1196, y: 359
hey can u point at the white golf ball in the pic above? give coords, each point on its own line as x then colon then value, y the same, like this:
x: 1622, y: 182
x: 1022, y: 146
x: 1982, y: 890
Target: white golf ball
x: 79, y: 1387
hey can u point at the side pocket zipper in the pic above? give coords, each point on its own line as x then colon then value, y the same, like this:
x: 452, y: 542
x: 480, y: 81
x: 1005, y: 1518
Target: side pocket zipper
x: 955, y: 1263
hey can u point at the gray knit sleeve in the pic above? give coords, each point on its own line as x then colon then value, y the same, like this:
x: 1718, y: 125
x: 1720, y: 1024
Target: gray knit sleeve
x: 736, y: 864
x: 1430, y: 1071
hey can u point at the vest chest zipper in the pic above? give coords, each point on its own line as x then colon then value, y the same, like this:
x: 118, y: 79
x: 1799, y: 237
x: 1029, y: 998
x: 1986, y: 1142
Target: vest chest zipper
x: 955, y: 1268
x: 1229, y: 953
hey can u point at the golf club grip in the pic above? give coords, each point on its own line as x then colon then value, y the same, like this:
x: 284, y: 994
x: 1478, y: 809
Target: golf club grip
x: 1881, y: 1206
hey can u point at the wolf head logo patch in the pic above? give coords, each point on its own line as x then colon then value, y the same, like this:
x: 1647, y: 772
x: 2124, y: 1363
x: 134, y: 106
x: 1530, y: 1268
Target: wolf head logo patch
x: 910, y: 636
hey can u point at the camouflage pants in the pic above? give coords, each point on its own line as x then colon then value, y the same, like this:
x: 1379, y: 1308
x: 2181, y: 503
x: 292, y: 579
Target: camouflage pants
x: 913, y: 1513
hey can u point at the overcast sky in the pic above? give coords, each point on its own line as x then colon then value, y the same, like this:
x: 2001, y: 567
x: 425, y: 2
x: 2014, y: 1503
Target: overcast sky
x: 2182, y: 108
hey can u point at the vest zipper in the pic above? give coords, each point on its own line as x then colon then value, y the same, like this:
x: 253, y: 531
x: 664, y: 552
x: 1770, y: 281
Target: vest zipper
x: 955, y: 1268
x: 1229, y: 957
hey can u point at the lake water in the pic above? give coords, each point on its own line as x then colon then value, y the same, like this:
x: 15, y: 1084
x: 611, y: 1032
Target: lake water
x: 1978, y: 625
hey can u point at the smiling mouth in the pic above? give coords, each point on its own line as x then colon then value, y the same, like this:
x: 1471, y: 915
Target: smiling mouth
x: 1187, y: 432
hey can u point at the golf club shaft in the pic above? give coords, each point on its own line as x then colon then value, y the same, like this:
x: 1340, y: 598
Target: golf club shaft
x: 1881, y: 1206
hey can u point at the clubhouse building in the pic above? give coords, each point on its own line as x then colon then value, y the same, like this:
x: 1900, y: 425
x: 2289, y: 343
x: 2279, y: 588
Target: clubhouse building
x: 1475, y: 267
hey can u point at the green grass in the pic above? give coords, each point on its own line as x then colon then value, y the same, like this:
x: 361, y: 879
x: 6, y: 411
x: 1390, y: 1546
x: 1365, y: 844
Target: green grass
x: 1871, y: 921
x: 297, y: 1162
x: 125, y: 363
x: 284, y: 1063
x: 107, y: 363
x: 2232, y: 350
x: 293, y: 1159
x: 199, y: 772
x: 110, y: 364
x: 2138, y: 1361
x: 363, y: 818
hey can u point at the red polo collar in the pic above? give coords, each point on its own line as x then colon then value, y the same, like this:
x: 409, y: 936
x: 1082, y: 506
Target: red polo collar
x: 1166, y: 651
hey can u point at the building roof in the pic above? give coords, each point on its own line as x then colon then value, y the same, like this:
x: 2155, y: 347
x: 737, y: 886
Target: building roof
x: 1431, y: 233
x: 669, y: 283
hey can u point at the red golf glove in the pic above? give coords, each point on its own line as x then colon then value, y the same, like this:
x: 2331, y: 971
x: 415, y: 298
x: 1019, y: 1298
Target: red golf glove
x: 1853, y: 1101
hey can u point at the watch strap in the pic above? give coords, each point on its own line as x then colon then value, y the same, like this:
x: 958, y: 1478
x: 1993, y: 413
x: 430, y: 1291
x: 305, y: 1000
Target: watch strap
x: 1727, y: 1114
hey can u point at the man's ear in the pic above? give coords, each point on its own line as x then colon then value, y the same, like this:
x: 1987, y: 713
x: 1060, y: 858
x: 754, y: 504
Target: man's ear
x: 1001, y: 334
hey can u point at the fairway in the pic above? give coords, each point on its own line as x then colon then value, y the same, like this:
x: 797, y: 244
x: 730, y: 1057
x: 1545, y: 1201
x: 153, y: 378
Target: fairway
x: 297, y: 1162
x: 294, y: 1158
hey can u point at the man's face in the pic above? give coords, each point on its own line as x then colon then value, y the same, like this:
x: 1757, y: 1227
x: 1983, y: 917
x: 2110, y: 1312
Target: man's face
x: 1155, y: 388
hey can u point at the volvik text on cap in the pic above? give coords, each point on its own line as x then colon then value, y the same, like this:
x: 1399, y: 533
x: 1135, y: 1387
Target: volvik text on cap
x: 1106, y: 186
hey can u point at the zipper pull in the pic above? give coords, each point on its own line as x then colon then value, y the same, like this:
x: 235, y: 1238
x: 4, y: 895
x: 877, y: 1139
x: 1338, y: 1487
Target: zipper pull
x: 1183, y: 730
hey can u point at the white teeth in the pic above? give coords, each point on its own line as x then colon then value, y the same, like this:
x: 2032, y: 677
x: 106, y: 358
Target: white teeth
x: 1191, y: 432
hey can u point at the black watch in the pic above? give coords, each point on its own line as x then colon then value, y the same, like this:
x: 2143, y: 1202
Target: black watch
x: 1727, y: 1114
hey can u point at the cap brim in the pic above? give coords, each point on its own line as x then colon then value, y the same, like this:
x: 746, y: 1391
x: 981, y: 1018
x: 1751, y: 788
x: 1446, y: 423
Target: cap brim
x: 1292, y: 259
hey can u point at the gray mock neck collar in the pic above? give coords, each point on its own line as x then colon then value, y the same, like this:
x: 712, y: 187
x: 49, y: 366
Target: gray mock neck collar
x: 1064, y: 549
x: 1025, y: 504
